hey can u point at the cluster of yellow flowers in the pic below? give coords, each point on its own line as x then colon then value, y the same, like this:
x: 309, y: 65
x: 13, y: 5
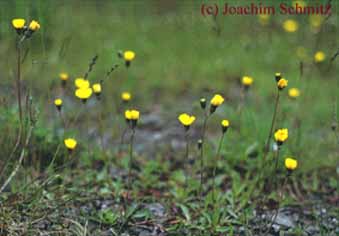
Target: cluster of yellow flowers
x: 187, y: 120
x: 84, y: 91
x: 132, y: 117
x: 281, y: 135
x: 21, y: 28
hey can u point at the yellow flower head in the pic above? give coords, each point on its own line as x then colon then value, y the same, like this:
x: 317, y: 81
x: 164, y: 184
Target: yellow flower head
x: 81, y: 83
x: 132, y: 115
x: 282, y: 83
x: 96, y: 88
x: 58, y: 102
x: 291, y: 164
x: 129, y: 55
x: 186, y: 120
x: 293, y: 93
x: 247, y: 81
x: 126, y: 96
x: 83, y: 93
x: 224, y: 125
x: 63, y: 76
x: 281, y: 136
x: 70, y: 143
x: 18, y: 23
x: 290, y: 26
x: 34, y: 25
x: 217, y: 100
x: 264, y: 19
x: 319, y: 56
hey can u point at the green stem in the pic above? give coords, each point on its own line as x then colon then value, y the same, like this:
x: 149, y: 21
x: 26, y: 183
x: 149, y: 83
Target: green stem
x: 54, y: 157
x: 215, y: 165
x: 268, y: 141
x: 202, y: 155
x: 88, y: 135
x: 130, y: 160
x: 186, y: 159
x: 18, y: 81
x: 277, y: 160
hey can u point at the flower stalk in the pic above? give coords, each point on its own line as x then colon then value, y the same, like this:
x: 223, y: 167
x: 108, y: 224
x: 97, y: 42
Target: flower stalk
x: 217, y: 159
x: 130, y: 164
x: 268, y: 141
x: 202, y: 155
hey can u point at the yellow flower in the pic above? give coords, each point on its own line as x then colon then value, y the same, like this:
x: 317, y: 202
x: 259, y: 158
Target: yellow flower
x: 247, y: 81
x: 290, y: 26
x: 18, y: 23
x: 291, y: 164
x: 70, y: 143
x: 83, y: 93
x: 264, y: 19
x: 224, y: 125
x: 126, y: 96
x: 282, y: 83
x: 63, y: 76
x: 217, y: 100
x: 277, y: 76
x: 132, y: 114
x: 186, y: 120
x: 96, y: 88
x: 319, y: 56
x: 293, y: 92
x: 34, y: 25
x: 58, y: 103
x: 281, y: 136
x: 81, y: 83
x: 132, y: 117
x: 129, y: 55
